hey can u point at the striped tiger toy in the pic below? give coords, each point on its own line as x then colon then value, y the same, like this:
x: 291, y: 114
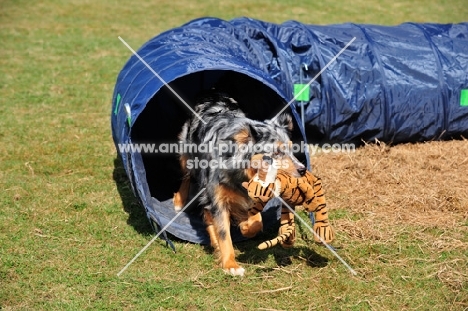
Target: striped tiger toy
x: 306, y: 191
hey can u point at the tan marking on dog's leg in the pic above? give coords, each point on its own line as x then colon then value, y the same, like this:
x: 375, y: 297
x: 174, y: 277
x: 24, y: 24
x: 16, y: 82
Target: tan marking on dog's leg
x: 210, y: 229
x: 180, y: 197
x: 227, y: 201
x: 226, y: 249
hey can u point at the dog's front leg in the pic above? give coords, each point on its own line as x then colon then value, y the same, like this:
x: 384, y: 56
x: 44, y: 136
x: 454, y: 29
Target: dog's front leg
x: 221, y: 227
x: 180, y: 197
x: 211, y: 229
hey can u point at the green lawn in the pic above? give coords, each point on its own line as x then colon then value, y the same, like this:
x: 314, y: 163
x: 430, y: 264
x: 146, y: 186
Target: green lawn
x: 66, y: 230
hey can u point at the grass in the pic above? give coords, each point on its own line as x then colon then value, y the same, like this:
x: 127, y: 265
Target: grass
x: 400, y: 212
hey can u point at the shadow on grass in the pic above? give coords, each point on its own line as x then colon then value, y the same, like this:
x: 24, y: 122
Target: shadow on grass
x: 282, y: 256
x: 136, y: 213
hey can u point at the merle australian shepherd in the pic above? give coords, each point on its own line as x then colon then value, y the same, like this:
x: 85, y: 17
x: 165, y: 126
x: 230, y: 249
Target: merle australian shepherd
x: 224, y: 199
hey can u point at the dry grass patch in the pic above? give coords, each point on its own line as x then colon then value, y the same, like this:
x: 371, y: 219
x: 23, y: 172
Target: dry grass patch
x: 404, y: 196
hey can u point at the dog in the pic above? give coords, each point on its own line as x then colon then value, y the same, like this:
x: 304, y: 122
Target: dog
x: 234, y: 139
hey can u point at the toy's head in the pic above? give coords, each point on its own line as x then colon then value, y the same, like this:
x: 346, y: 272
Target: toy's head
x: 262, y: 187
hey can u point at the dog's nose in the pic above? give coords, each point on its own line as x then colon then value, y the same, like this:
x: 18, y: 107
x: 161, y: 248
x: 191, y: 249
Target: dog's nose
x: 301, y: 170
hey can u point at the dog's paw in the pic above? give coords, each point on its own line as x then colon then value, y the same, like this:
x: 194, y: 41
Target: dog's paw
x: 235, y: 271
x: 233, y: 268
x: 177, y: 208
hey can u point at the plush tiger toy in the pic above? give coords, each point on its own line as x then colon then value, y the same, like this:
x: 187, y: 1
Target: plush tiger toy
x: 306, y: 191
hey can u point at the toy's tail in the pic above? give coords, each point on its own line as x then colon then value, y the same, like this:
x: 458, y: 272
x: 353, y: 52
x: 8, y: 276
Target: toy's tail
x: 286, y: 233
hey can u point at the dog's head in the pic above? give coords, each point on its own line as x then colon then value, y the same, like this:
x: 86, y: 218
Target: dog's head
x: 272, y: 138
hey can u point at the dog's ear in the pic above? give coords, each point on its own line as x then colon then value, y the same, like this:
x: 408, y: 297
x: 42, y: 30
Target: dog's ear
x: 283, y: 121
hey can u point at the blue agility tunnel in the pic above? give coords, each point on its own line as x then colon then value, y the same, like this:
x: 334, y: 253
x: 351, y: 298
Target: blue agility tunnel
x: 403, y: 83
